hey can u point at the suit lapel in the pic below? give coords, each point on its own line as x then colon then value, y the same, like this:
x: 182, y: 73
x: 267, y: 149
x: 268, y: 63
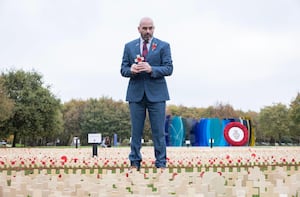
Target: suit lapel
x: 137, y: 48
x: 152, y: 48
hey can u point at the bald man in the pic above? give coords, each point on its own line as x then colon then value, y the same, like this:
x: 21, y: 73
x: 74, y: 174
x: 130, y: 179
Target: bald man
x: 146, y: 61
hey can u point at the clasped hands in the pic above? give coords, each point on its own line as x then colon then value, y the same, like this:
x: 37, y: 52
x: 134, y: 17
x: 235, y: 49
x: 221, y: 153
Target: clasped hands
x: 140, y: 67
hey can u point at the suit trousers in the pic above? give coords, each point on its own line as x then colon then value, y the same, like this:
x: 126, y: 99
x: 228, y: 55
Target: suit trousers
x: 156, y: 112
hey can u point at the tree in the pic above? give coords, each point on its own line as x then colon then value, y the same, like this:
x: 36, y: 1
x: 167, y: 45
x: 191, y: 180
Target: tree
x: 121, y: 121
x: 294, y: 114
x: 6, y: 104
x: 72, y: 115
x: 186, y: 112
x: 221, y: 111
x: 105, y: 116
x: 274, y: 122
x: 36, y: 117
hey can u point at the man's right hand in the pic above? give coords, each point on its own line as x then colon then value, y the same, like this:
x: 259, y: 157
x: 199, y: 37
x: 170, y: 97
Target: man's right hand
x: 134, y: 69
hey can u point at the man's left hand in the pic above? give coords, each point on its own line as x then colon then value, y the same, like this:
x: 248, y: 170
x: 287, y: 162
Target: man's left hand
x: 144, y: 66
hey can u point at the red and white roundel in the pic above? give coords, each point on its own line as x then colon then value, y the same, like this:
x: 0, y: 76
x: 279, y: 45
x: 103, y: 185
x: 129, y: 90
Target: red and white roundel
x: 236, y: 134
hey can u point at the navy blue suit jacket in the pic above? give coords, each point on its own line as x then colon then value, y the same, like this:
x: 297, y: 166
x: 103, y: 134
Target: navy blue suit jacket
x: 153, y: 84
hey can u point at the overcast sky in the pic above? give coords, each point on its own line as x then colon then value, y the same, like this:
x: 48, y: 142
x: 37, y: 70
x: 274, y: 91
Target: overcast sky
x: 245, y: 53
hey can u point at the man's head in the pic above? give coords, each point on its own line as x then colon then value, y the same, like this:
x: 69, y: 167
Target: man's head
x: 146, y: 28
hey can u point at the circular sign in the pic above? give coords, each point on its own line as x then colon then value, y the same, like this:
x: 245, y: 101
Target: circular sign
x: 236, y: 134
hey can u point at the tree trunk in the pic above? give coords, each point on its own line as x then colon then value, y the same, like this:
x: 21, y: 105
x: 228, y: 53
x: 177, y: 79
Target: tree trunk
x: 14, y: 139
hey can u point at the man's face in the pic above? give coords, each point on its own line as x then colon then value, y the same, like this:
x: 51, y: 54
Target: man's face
x: 146, y: 29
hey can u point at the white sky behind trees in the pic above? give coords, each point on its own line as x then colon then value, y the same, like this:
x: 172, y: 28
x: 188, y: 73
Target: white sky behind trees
x: 245, y: 53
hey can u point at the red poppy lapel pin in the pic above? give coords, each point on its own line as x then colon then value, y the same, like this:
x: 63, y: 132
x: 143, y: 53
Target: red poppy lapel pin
x: 153, y: 47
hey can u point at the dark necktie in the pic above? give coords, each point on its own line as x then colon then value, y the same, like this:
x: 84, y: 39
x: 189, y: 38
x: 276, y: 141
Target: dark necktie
x: 145, y: 50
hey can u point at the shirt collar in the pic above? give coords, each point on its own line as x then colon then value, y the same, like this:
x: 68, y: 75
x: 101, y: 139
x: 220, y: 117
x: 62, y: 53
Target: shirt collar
x: 142, y: 41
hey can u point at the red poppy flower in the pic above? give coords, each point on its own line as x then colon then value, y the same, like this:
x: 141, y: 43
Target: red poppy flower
x: 153, y: 47
x: 64, y: 158
x: 139, y: 59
